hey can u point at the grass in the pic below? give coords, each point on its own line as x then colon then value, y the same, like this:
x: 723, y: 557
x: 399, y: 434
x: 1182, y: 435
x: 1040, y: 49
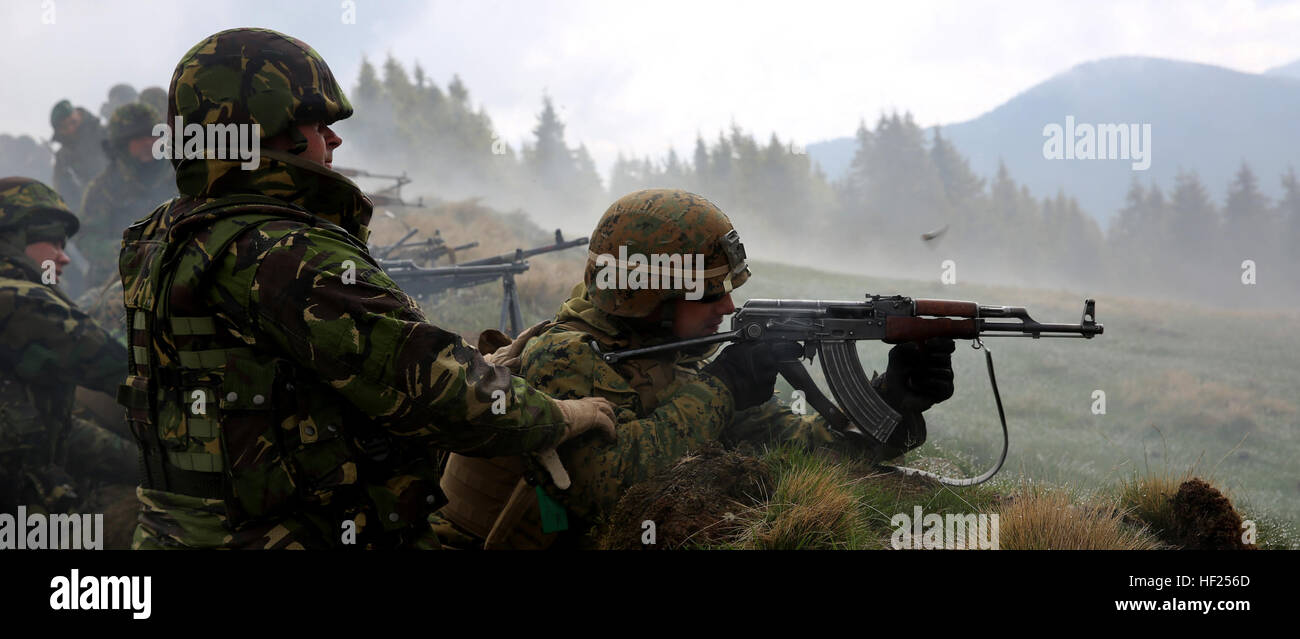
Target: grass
x: 814, y: 506
x: 1055, y: 518
x: 823, y: 503
x: 1148, y: 498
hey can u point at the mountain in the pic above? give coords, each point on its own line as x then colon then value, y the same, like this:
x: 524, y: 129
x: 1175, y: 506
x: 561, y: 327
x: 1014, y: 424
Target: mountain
x: 1291, y: 69
x: 1202, y: 117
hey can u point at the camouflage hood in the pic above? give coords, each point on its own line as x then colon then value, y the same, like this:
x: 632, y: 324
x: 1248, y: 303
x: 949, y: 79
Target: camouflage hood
x: 579, y: 307
x: 283, y: 176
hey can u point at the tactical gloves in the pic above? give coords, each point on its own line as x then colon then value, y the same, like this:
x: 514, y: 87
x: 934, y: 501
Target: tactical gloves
x: 748, y: 370
x: 587, y: 413
x: 919, y: 375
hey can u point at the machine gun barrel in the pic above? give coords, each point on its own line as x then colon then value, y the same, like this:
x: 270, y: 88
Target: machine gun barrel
x: 520, y: 254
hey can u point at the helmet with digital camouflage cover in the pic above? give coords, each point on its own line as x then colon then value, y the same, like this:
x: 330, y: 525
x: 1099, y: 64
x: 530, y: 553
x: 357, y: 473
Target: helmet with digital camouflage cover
x: 648, y: 247
x: 255, y: 76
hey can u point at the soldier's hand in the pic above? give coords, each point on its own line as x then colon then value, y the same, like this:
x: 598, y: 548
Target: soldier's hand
x: 748, y: 370
x: 587, y: 413
x: 919, y: 375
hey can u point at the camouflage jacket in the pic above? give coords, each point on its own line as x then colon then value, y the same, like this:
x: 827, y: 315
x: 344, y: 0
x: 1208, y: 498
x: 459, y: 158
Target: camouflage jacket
x: 79, y: 159
x: 665, y: 406
x: 331, y: 390
x: 47, y: 348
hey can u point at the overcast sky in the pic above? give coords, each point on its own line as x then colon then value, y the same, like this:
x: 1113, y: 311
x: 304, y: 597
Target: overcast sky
x: 639, y: 77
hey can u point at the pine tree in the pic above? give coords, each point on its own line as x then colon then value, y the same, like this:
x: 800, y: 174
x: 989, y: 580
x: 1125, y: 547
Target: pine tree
x: 1288, y: 214
x: 1247, y: 222
x: 961, y: 186
x: 368, y: 89
x: 1193, y: 233
x: 700, y: 168
x: 548, y: 157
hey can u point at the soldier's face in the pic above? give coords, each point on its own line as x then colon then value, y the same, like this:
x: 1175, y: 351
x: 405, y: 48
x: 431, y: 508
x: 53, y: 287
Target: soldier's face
x: 700, y: 318
x: 69, y: 125
x: 321, y: 142
x: 41, y: 252
x: 141, y: 149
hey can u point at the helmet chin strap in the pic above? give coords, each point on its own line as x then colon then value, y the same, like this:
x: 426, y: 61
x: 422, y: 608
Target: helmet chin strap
x: 668, y: 315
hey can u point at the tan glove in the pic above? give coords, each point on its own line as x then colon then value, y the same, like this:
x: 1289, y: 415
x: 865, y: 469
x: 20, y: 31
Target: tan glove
x: 586, y: 414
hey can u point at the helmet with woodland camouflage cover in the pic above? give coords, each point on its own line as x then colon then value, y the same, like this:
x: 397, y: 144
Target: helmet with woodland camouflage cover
x: 155, y: 97
x: 255, y: 76
x: 649, y: 236
x: 34, y: 211
x: 130, y: 121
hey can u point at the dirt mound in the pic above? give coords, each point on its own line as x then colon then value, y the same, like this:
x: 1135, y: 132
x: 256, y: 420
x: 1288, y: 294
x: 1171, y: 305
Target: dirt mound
x: 1204, y: 519
x: 119, y: 505
x: 694, y: 502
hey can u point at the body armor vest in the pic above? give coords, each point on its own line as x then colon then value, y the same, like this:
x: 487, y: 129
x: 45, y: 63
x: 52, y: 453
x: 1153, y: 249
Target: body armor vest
x: 220, y: 416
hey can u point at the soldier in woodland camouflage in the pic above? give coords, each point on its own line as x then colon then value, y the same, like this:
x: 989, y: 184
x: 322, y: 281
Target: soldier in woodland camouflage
x: 80, y: 156
x: 119, y: 95
x: 155, y: 97
x: 285, y: 392
x: 132, y: 185
x: 670, y: 403
x: 49, y: 460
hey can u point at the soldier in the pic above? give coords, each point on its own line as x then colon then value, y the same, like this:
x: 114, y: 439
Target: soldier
x: 286, y: 393
x: 80, y: 156
x: 155, y: 97
x: 129, y: 188
x: 49, y: 460
x: 667, y: 404
x: 118, y: 96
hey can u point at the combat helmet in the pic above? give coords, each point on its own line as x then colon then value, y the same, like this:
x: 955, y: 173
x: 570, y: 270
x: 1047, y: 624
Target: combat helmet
x: 255, y: 76
x: 117, y: 96
x: 62, y: 109
x: 130, y: 121
x: 35, y: 210
x: 155, y: 97
x: 656, y: 224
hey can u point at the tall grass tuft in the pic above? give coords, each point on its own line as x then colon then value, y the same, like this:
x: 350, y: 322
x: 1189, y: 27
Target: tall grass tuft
x: 1056, y: 519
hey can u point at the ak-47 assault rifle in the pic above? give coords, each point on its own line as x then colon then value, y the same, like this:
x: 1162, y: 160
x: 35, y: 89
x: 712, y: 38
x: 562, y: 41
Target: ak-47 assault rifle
x: 831, y: 329
x: 419, y: 280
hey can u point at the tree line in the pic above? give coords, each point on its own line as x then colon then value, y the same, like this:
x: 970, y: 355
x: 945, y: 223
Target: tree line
x: 905, y: 183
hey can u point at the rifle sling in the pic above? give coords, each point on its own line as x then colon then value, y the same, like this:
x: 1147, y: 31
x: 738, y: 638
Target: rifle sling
x: 988, y: 474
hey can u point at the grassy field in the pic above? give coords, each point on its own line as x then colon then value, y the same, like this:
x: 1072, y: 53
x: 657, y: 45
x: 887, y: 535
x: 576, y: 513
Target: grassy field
x: 1188, y: 390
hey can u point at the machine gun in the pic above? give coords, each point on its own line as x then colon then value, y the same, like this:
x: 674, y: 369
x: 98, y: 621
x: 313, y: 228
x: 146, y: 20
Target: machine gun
x: 420, y: 280
x: 831, y: 329
x: 428, y: 251
x: 520, y: 254
x: 387, y: 196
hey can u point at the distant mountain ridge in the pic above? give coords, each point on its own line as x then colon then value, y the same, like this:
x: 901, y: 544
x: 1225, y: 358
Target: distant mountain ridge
x: 1290, y: 69
x: 1203, y: 118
